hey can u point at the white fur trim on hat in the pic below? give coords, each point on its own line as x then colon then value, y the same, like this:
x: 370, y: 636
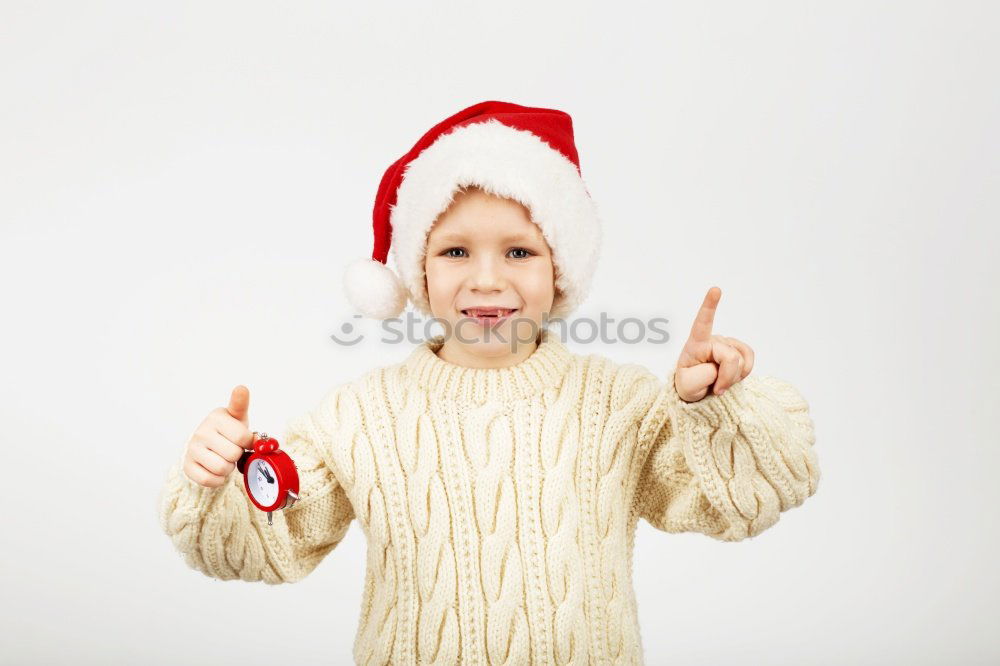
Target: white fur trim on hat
x: 373, y: 289
x: 507, y: 162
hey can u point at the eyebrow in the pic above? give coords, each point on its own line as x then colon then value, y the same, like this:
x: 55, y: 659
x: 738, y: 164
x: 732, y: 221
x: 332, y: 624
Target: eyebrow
x: 512, y: 238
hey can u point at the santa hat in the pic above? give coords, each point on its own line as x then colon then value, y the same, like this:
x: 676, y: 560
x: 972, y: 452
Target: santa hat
x: 519, y: 152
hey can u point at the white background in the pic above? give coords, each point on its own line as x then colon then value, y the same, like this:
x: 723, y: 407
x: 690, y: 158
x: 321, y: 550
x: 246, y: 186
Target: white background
x: 181, y: 185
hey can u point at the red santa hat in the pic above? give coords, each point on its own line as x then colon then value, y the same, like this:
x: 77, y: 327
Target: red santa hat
x: 519, y: 152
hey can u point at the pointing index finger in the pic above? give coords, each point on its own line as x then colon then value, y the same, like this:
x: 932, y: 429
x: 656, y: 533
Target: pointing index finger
x: 701, y: 330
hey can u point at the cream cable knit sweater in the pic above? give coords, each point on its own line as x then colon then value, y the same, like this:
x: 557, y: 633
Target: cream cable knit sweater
x: 500, y: 506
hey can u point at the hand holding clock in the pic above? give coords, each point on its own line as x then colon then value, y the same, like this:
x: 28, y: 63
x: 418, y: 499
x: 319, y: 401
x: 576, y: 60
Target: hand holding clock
x: 219, y: 440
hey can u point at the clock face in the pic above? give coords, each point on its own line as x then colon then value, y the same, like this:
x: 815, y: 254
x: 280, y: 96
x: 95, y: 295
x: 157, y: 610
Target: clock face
x: 263, y: 482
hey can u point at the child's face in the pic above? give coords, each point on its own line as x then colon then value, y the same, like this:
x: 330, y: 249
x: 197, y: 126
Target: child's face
x: 490, y: 276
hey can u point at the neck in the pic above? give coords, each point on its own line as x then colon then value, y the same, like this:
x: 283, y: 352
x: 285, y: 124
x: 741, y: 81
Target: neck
x: 455, y: 352
x: 544, y: 368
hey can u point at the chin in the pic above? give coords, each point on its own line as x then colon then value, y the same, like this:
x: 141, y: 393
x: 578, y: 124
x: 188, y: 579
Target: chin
x: 491, y: 349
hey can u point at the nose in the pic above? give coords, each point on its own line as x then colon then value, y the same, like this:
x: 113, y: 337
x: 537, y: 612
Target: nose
x: 487, y: 277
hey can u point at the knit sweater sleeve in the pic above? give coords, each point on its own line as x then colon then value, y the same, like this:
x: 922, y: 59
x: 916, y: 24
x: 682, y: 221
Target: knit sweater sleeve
x: 221, y: 533
x: 727, y: 466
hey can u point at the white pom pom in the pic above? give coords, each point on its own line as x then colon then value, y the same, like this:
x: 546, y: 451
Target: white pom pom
x: 374, y: 290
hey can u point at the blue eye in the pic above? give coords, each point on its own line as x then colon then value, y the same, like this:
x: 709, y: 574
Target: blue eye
x: 448, y: 252
x: 519, y: 253
x: 455, y: 252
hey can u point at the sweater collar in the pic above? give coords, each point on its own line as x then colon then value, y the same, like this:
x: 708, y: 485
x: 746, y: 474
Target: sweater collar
x: 544, y: 369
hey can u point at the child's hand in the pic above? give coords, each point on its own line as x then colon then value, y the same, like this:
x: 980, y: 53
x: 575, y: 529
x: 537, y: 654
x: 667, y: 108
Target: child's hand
x: 707, y: 359
x: 217, y: 444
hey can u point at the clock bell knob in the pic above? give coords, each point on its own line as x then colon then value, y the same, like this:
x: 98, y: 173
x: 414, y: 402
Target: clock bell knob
x: 258, y: 446
x: 265, y: 444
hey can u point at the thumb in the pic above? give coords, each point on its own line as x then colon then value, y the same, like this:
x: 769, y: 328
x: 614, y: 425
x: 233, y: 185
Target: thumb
x: 239, y: 404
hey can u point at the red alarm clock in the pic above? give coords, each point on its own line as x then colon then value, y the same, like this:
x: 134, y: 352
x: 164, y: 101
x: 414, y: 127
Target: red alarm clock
x: 270, y: 476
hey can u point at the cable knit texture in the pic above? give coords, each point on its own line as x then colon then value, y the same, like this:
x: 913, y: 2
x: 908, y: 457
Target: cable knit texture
x: 500, y: 505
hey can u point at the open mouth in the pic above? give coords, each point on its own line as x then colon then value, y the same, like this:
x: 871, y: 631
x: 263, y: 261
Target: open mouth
x: 489, y: 316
